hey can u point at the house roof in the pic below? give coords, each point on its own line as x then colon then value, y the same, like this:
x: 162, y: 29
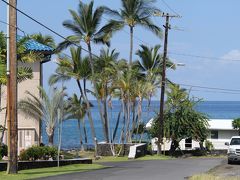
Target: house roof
x: 33, y: 45
x: 214, y: 124
x: 220, y: 124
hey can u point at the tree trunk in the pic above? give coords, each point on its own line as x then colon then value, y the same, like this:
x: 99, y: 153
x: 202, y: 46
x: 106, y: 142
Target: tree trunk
x: 50, y: 139
x: 89, y: 114
x: 131, y: 46
x: 174, y: 146
x: 80, y: 135
x: 105, y: 114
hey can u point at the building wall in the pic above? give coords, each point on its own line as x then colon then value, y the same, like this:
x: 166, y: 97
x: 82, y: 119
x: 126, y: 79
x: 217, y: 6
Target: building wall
x: 223, y: 136
x: 29, y: 127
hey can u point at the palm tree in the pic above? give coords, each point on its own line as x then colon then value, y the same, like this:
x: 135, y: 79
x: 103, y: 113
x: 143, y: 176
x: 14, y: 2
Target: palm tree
x: 77, y: 110
x: 44, y: 108
x: 104, y: 69
x: 150, y: 65
x: 85, y: 26
x: 134, y: 13
x: 44, y: 39
x: 76, y: 68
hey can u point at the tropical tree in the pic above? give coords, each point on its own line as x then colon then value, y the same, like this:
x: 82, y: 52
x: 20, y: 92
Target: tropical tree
x: 44, y: 39
x: 77, y: 110
x: 85, y: 25
x: 236, y: 124
x: 44, y: 108
x: 104, y: 66
x: 181, y: 120
x: 134, y: 13
x: 150, y: 65
x: 76, y: 68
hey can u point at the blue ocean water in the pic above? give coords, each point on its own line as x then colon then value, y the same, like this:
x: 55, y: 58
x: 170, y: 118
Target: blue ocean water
x: 70, y: 132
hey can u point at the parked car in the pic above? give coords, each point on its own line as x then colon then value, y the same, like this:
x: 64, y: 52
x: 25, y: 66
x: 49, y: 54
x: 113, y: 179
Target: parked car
x: 233, y: 149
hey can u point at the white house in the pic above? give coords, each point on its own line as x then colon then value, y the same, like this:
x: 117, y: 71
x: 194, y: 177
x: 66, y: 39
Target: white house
x: 221, y: 131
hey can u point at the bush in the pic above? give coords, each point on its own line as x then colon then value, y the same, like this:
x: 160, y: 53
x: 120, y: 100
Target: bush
x: 3, y: 150
x: 38, y: 152
x: 209, y: 145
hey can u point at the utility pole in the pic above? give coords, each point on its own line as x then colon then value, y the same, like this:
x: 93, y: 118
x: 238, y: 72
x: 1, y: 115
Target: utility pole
x: 12, y: 90
x: 163, y: 83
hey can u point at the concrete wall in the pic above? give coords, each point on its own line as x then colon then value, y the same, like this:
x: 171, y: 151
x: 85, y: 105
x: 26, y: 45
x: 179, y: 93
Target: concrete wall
x: 223, y: 136
x: 28, y: 127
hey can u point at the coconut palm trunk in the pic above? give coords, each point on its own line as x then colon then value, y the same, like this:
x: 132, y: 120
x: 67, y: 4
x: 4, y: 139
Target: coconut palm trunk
x: 51, y: 139
x: 131, y: 46
x: 89, y: 114
x: 105, y: 131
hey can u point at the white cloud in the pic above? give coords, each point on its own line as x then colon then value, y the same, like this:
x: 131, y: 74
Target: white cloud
x: 232, y: 55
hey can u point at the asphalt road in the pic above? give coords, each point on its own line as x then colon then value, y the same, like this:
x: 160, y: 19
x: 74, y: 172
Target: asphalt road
x: 176, y: 169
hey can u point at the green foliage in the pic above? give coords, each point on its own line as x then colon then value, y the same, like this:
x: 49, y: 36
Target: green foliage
x: 209, y: 145
x: 44, y: 108
x: 38, y: 152
x: 236, y: 124
x: 181, y: 120
x: 3, y: 150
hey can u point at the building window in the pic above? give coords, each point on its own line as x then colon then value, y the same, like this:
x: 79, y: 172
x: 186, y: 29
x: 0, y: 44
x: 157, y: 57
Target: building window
x: 188, y: 143
x: 214, y: 134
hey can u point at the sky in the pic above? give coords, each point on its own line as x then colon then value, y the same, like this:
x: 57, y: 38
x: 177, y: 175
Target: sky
x: 206, y: 29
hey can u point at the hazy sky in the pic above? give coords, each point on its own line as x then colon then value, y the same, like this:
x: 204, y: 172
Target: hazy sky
x: 207, y: 29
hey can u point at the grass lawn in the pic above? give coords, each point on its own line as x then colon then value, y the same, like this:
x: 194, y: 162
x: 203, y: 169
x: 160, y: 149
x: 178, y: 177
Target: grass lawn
x: 125, y: 158
x: 211, y: 177
x: 43, y: 172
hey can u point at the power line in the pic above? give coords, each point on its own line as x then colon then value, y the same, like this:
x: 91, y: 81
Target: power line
x: 207, y: 91
x: 3, y: 22
x: 203, y: 57
x: 169, y: 7
x: 211, y: 88
x: 28, y: 34
x: 46, y: 27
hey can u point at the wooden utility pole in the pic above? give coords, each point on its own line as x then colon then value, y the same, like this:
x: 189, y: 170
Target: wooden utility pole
x: 12, y: 91
x: 163, y: 82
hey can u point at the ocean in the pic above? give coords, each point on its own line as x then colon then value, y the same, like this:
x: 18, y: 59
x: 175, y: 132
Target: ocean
x: 70, y: 132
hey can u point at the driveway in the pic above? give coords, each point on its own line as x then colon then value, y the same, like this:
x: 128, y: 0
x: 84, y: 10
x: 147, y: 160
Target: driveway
x: 176, y: 169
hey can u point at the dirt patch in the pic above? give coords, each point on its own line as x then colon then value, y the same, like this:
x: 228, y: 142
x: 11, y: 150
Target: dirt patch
x: 226, y: 170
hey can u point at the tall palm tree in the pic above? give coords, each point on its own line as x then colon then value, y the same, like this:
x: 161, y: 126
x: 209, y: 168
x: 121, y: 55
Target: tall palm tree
x: 85, y: 25
x: 76, y: 68
x: 150, y: 65
x: 134, y: 13
x: 104, y: 69
x: 44, y: 108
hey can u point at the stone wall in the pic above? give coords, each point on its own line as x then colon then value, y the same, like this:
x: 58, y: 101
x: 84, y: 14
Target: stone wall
x: 43, y: 164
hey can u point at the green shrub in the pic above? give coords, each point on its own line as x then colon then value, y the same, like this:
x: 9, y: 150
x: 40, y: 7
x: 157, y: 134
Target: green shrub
x: 3, y: 150
x: 38, y: 152
x: 209, y: 145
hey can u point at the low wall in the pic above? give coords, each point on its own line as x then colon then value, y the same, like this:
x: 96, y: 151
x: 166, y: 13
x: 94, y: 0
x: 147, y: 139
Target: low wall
x: 43, y: 164
x: 105, y: 150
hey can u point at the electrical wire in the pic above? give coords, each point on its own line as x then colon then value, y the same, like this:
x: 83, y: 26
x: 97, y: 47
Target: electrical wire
x: 48, y: 28
x: 56, y: 33
x: 171, y: 9
x: 3, y: 22
x: 203, y: 57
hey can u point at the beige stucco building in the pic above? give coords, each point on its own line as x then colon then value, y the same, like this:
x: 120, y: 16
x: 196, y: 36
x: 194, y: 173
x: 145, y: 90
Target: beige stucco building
x: 29, y: 131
